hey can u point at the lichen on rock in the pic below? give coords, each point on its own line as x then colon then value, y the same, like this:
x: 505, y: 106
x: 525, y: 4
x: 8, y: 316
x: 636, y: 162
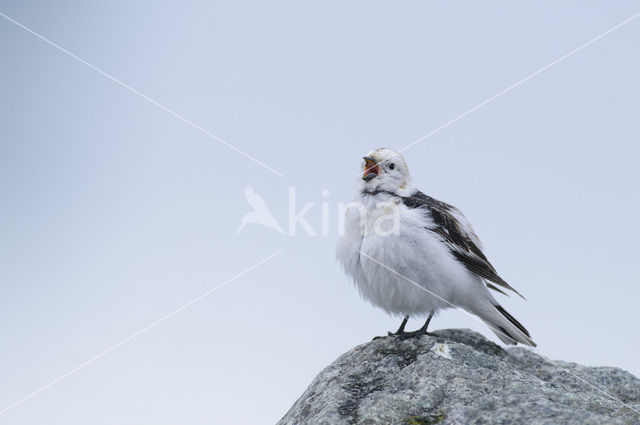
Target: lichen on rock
x: 459, y: 377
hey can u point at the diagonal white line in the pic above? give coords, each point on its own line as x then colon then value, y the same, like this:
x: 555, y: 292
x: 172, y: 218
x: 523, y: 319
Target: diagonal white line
x: 145, y: 97
x: 138, y: 333
x: 499, y: 331
x: 525, y: 79
x: 513, y: 86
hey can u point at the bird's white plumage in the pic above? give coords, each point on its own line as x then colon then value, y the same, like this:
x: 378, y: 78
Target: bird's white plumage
x: 411, y: 271
x: 413, y: 255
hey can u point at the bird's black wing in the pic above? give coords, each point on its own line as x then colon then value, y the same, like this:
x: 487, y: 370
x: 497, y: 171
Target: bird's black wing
x: 456, y: 232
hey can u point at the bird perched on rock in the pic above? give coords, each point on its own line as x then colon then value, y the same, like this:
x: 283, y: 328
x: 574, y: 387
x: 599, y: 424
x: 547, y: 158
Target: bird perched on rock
x: 412, y: 255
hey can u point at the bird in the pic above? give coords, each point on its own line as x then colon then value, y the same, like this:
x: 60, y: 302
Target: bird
x: 260, y: 214
x: 413, y: 255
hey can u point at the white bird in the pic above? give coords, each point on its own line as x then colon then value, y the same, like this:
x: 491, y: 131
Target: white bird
x: 413, y: 255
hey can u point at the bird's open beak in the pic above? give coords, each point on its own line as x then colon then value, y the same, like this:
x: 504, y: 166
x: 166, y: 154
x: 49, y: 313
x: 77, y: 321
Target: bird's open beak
x: 371, y: 168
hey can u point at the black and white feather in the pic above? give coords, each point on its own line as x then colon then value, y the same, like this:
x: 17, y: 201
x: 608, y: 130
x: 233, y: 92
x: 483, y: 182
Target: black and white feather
x: 457, y: 233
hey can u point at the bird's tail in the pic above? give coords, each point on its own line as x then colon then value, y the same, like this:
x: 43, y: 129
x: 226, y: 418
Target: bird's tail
x: 503, y: 324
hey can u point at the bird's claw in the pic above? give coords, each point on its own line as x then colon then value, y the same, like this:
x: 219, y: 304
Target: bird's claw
x: 415, y: 334
x: 389, y: 333
x: 407, y: 335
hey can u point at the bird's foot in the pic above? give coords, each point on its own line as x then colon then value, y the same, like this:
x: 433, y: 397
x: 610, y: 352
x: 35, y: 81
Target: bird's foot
x: 389, y: 333
x: 415, y: 334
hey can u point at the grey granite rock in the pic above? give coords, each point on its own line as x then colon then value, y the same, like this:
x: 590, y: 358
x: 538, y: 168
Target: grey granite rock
x: 459, y: 377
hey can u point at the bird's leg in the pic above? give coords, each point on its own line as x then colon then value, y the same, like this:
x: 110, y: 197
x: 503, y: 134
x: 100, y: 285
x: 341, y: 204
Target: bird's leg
x: 401, y: 328
x: 399, y: 331
x: 419, y: 332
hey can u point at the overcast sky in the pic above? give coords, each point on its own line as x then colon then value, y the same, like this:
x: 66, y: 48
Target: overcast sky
x: 115, y: 212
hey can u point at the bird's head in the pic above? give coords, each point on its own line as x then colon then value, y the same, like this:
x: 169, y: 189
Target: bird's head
x: 386, y: 170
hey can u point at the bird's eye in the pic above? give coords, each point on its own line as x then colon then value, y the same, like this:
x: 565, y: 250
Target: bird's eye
x: 392, y: 166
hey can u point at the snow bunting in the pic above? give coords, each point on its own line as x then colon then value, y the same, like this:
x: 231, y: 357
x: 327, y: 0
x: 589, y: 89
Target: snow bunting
x: 427, y: 257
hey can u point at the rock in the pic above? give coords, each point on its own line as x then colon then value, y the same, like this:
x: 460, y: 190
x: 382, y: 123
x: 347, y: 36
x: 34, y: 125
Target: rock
x: 459, y: 377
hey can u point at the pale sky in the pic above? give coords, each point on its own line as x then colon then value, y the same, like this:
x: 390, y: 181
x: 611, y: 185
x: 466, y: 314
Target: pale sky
x: 115, y: 212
